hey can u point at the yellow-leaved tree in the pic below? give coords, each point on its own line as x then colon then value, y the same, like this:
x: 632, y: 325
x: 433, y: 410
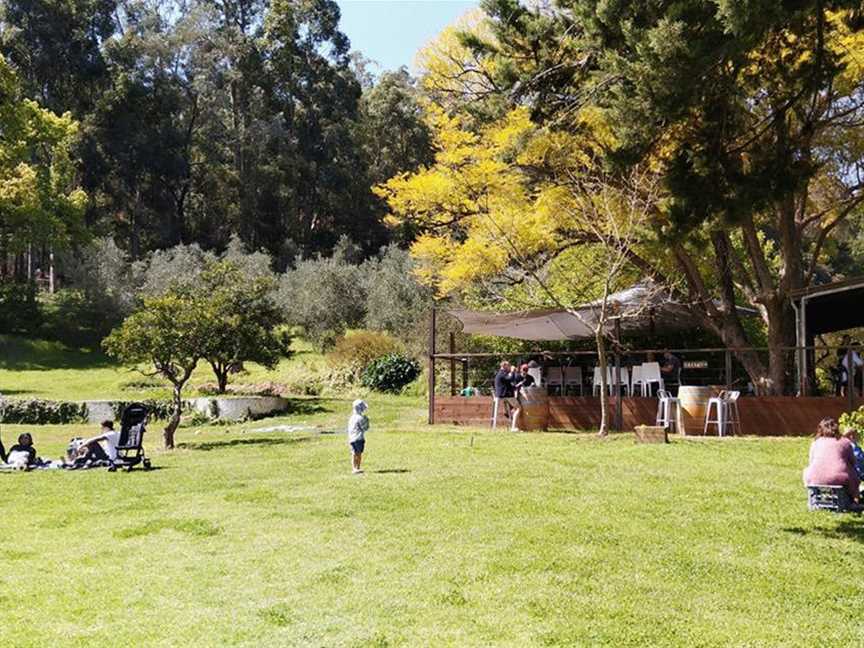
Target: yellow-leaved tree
x: 39, y: 202
x: 525, y: 217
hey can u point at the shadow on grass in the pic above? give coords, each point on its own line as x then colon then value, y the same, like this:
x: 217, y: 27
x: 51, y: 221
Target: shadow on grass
x: 849, y: 526
x: 390, y: 471
x: 20, y: 354
x: 207, y: 446
x: 309, y: 406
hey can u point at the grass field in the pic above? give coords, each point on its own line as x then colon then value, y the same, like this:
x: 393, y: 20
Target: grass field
x: 50, y: 370
x: 451, y: 537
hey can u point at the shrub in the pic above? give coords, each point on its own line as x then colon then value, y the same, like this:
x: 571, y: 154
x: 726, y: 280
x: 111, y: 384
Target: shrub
x: 390, y: 373
x: 77, y: 320
x: 355, y: 351
x: 35, y: 411
x: 180, y: 265
x: 19, y: 309
x: 325, y: 296
x: 39, y: 412
x: 395, y: 301
x: 853, y: 419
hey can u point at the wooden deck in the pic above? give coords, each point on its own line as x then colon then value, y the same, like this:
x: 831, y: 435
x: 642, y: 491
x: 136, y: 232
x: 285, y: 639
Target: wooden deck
x: 760, y: 415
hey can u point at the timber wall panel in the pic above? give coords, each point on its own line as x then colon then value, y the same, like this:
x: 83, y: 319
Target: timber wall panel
x: 760, y: 415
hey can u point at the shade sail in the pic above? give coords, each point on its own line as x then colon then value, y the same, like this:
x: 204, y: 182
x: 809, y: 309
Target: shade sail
x: 641, y: 309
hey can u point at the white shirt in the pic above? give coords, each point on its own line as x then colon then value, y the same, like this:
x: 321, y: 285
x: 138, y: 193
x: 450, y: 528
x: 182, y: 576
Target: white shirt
x: 112, y: 439
x: 856, y: 362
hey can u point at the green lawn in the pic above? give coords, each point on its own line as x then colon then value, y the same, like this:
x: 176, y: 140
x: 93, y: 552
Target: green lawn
x: 452, y: 537
x: 50, y: 370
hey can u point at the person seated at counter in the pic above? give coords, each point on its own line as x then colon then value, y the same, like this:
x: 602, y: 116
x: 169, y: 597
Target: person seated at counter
x: 670, y: 369
x: 832, y: 460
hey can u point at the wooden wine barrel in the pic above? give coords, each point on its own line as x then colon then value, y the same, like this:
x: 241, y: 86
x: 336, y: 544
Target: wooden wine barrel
x: 535, y: 409
x: 693, y: 400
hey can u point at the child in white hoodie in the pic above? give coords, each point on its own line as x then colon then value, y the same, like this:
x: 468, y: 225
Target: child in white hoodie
x: 358, y: 426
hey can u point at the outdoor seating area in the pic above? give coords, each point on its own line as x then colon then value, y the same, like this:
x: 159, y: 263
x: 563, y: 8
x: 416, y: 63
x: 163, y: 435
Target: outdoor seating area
x: 688, y: 391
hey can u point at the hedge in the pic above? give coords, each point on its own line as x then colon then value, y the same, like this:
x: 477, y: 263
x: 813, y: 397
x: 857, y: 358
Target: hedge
x: 39, y: 412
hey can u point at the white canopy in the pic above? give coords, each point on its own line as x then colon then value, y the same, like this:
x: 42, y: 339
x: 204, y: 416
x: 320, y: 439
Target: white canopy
x: 643, y: 308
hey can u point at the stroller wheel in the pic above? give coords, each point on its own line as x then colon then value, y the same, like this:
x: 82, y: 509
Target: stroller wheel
x: 147, y: 465
x: 129, y: 468
x: 112, y: 468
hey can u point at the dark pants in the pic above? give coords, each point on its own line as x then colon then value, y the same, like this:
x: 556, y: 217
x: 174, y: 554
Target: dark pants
x: 95, y: 453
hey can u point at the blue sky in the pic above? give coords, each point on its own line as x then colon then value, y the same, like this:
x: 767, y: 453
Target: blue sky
x: 391, y: 31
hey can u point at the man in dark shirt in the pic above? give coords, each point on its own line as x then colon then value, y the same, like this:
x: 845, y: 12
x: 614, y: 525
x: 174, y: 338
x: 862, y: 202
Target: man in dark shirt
x: 504, y: 393
x: 671, y: 368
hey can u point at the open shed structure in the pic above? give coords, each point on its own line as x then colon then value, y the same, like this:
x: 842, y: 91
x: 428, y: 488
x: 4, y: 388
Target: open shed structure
x: 828, y: 308
x: 639, y: 310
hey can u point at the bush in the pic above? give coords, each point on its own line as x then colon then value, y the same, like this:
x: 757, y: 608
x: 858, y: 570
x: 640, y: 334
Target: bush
x: 853, y: 419
x: 40, y: 412
x: 390, y: 373
x: 180, y: 265
x: 355, y: 351
x: 395, y: 302
x: 19, y: 309
x: 77, y: 320
x: 325, y: 296
x: 102, y: 273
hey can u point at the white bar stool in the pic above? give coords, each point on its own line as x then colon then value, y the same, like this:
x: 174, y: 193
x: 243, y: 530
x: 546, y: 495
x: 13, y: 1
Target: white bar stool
x: 668, y: 411
x: 725, y: 407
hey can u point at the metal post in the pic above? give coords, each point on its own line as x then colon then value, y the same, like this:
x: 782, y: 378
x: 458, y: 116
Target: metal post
x: 728, y: 370
x: 464, y: 373
x: 452, y: 364
x: 803, y: 367
x: 850, y: 381
x: 619, y: 405
x: 432, y: 333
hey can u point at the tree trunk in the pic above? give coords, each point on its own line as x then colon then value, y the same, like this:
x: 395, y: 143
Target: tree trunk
x: 781, y: 333
x: 604, y: 384
x: 168, y: 433
x: 221, y: 373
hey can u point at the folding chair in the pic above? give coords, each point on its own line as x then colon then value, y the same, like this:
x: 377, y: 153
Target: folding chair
x: 596, y: 383
x: 624, y: 382
x: 555, y: 378
x: 573, y: 378
x: 636, y: 379
x: 651, y: 375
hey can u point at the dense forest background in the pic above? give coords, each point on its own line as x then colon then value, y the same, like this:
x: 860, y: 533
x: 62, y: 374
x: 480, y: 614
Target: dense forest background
x: 143, y: 137
x: 205, y: 119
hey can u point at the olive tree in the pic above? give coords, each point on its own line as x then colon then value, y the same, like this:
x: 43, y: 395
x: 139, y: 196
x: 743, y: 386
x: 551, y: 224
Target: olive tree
x: 240, y: 318
x: 169, y: 335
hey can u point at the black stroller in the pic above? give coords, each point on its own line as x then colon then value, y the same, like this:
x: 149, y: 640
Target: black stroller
x: 130, y: 450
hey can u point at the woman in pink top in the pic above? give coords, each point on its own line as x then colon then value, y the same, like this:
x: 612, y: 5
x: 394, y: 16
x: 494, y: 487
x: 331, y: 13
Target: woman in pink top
x: 832, y: 462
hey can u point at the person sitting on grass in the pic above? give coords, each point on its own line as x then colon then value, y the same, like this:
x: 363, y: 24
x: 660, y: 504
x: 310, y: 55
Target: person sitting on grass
x: 852, y: 435
x: 358, y: 426
x: 832, y: 461
x: 23, y: 451
x: 92, y: 450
